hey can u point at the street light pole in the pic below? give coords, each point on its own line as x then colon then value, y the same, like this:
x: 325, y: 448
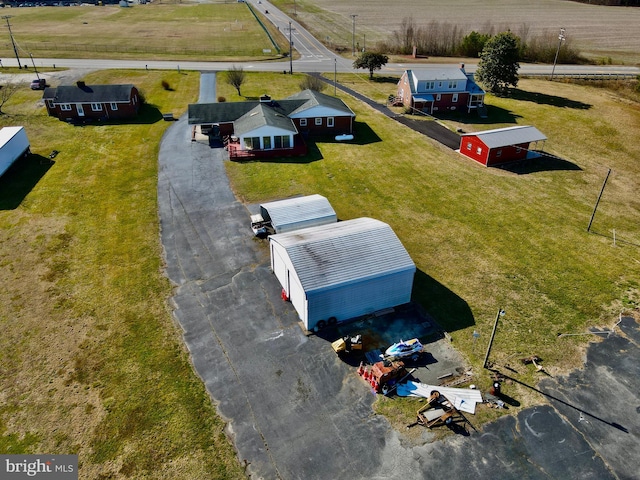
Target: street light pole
x: 290, y: 52
x: 555, y: 60
x: 353, y: 35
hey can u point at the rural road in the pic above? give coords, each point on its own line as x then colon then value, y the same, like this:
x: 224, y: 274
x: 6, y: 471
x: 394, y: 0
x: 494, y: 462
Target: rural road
x: 342, y: 65
x: 295, y: 411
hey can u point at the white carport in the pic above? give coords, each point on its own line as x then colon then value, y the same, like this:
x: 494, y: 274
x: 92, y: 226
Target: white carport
x: 299, y: 212
x: 342, y: 270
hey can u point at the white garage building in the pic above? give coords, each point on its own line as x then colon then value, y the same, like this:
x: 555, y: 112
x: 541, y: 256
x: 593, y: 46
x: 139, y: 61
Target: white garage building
x: 296, y: 213
x: 342, y: 270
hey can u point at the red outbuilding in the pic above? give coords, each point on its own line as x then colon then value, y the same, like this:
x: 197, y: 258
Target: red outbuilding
x: 502, y: 145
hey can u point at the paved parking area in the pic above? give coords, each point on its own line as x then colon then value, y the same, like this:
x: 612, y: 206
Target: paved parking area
x: 296, y: 411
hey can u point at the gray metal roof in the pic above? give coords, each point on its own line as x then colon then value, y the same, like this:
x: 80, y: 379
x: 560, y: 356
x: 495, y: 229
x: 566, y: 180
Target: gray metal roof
x: 89, y: 93
x: 313, y: 99
x: 261, y: 115
x: 298, y: 210
x: 503, y: 137
x: 440, y: 72
x: 7, y: 133
x: 344, y: 252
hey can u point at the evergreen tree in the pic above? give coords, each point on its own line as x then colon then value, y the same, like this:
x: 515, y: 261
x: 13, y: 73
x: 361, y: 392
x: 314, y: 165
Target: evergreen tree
x: 498, y: 67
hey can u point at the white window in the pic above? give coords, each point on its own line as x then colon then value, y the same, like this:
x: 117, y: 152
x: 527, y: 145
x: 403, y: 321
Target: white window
x: 303, y: 122
x: 96, y: 107
x: 65, y: 106
x: 49, y: 103
x: 479, y: 150
x: 114, y: 106
x: 453, y: 84
x: 454, y: 99
x: 319, y: 121
x: 499, y: 153
x: 439, y: 84
x: 329, y: 122
x: 430, y: 85
x: 438, y: 97
x: 468, y: 145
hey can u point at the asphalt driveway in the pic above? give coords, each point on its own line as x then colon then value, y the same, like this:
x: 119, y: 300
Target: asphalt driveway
x: 295, y: 411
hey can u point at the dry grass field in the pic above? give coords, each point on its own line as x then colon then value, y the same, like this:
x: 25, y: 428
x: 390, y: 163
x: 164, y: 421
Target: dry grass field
x: 214, y: 31
x: 598, y: 31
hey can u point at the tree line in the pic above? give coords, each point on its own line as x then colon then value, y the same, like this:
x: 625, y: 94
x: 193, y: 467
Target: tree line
x: 443, y: 39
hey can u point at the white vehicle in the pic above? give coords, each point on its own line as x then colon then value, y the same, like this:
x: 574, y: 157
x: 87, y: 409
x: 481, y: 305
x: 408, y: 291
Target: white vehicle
x: 14, y: 144
x: 261, y: 228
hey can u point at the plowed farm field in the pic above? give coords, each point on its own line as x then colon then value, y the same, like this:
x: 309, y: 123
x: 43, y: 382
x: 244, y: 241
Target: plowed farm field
x: 597, y: 31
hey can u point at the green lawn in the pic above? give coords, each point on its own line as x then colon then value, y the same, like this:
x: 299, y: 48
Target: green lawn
x: 92, y: 362
x: 489, y: 238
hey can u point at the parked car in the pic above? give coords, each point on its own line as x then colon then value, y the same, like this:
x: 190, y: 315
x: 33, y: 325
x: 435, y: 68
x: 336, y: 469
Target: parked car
x: 38, y: 84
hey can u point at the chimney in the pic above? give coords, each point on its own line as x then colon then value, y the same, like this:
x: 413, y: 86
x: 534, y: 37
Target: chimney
x: 265, y: 98
x: 81, y: 84
x: 462, y: 67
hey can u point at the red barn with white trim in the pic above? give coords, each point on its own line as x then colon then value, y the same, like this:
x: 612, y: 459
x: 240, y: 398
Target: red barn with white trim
x: 502, y: 145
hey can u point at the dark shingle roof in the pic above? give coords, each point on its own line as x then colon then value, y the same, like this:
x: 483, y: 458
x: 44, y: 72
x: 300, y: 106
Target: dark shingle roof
x: 89, y: 93
x: 225, y: 112
x: 313, y: 99
x: 260, y: 116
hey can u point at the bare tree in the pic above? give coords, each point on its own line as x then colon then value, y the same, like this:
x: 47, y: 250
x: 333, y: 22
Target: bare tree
x: 6, y: 92
x: 236, y: 77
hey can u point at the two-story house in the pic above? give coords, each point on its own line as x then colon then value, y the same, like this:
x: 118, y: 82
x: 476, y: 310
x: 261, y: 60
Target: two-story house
x: 439, y: 88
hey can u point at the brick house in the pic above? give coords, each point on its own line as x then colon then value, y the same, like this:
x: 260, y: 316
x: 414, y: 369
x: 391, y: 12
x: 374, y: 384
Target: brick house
x: 267, y: 127
x: 82, y: 102
x: 439, y: 88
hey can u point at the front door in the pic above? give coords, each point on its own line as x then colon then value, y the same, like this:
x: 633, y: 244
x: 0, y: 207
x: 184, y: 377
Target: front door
x: 80, y: 111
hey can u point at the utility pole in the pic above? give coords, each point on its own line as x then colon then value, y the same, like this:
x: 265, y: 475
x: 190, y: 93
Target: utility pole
x: 604, y: 184
x: 335, y: 76
x: 555, y: 60
x: 290, y: 52
x: 34, y: 66
x: 493, y: 334
x: 353, y: 34
x: 15, y: 49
